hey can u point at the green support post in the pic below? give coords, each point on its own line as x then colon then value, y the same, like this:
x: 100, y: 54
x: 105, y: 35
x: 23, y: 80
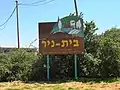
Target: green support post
x: 75, y: 64
x: 48, y: 67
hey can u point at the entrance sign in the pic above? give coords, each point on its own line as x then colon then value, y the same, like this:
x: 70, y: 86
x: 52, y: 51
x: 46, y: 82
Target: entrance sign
x: 65, y: 36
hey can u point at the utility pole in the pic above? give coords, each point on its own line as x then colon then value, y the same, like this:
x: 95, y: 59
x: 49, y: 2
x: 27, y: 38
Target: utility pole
x: 75, y: 55
x: 76, y: 7
x: 18, y: 37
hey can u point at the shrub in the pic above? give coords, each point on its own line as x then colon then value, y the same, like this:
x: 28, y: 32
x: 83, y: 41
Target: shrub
x: 17, y: 65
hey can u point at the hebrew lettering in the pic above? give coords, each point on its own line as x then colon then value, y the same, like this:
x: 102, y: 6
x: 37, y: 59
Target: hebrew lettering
x: 70, y: 41
x: 53, y: 43
x: 64, y: 43
x: 48, y: 42
x: 44, y: 44
x: 76, y: 43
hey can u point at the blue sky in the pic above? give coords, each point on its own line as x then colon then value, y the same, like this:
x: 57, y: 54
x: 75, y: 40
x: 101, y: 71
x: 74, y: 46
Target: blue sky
x: 104, y: 12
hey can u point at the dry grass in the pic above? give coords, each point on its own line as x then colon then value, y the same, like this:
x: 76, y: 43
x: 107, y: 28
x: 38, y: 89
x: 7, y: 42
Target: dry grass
x: 17, y: 85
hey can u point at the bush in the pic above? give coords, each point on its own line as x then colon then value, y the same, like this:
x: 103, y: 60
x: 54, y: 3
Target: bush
x: 17, y: 65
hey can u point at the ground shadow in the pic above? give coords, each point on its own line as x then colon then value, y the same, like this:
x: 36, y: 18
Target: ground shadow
x: 83, y: 80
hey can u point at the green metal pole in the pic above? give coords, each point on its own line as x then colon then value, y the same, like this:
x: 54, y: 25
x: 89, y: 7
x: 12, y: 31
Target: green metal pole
x: 75, y: 64
x: 48, y: 67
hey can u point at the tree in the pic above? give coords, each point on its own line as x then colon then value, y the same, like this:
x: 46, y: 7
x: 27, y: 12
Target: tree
x: 88, y: 61
x: 110, y: 53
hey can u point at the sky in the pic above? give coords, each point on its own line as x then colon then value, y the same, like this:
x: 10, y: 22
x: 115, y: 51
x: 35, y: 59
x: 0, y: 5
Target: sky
x: 105, y: 13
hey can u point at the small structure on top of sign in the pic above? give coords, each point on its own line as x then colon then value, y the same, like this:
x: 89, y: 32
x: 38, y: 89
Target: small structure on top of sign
x: 70, y: 24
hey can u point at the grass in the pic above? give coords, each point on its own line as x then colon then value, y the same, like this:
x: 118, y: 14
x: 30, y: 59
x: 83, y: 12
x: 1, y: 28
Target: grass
x: 88, y: 89
x: 97, y: 80
x: 26, y: 87
x: 87, y: 84
x: 13, y: 89
x: 56, y: 87
x: 46, y: 88
x: 91, y: 80
x: 72, y: 88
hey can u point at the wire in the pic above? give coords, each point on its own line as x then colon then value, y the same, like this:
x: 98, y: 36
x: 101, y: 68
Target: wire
x: 32, y: 42
x: 37, y: 4
x: 3, y: 27
x: 34, y: 2
x: 8, y: 18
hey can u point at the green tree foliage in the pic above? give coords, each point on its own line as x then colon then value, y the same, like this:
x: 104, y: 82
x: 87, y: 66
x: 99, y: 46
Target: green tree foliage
x: 62, y: 67
x: 16, y: 65
x: 89, y: 63
x: 39, y: 71
x: 110, y: 53
x: 91, y: 39
x: 102, y: 53
x: 4, y: 66
x: 100, y: 59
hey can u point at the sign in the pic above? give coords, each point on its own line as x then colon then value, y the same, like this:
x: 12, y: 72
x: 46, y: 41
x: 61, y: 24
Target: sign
x: 65, y: 36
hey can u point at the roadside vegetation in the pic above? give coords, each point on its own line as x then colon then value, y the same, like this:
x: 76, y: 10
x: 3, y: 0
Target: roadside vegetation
x: 99, y: 63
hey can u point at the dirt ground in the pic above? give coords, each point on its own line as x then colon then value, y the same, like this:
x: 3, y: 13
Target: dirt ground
x: 60, y: 86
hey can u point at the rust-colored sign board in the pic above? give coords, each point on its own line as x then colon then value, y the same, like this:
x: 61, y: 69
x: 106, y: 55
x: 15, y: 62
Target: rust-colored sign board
x: 62, y: 37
